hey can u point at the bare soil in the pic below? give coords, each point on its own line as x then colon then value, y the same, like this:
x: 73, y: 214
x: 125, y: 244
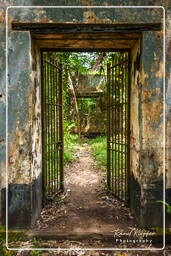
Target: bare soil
x: 83, y: 211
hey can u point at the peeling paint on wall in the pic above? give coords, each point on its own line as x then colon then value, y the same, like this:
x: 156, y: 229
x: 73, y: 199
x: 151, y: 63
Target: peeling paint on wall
x: 134, y: 119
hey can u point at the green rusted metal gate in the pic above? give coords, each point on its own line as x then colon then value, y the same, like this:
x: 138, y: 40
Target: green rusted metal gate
x: 118, y: 115
x: 52, y: 124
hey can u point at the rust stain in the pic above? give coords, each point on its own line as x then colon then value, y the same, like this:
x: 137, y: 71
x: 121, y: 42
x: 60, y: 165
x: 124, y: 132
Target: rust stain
x: 143, y: 76
x: 2, y: 174
x: 30, y: 103
x: 147, y: 94
x: 86, y: 2
x: 10, y: 24
x: 19, y: 164
x: 157, y: 67
x: 157, y: 90
x: 159, y: 73
x: 90, y: 17
x: 159, y: 34
x: 2, y: 17
x: 133, y: 140
x: 169, y: 49
x: 153, y: 110
x: 46, y: 20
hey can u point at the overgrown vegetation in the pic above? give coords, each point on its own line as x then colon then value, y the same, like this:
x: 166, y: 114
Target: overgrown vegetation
x: 70, y: 142
x: 82, y: 115
x: 74, y: 65
x: 16, y: 240
x: 99, y: 147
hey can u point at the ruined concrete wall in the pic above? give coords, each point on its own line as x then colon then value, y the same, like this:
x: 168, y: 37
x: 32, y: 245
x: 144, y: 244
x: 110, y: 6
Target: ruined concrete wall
x: 146, y: 127
x: 135, y: 140
x: 21, y: 86
x: 151, y: 127
x: 168, y: 112
x: 93, y: 118
x: 24, y: 144
x: 36, y: 134
x: 19, y: 127
x: 2, y: 113
x: 83, y: 15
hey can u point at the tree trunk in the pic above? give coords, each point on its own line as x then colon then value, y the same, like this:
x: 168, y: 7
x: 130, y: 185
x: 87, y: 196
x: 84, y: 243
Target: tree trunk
x: 76, y: 106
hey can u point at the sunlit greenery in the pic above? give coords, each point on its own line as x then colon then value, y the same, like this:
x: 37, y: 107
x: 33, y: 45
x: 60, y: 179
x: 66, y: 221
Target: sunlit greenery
x: 99, y: 147
x: 70, y: 142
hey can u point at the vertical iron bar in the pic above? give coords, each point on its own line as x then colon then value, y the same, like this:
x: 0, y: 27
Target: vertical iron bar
x: 117, y: 142
x: 122, y: 131
x: 47, y: 100
x: 53, y: 131
x: 52, y: 124
x: 112, y: 121
x: 108, y: 126
x: 119, y: 113
x: 129, y: 113
x: 61, y: 129
x: 49, y: 132
x: 115, y: 130
x: 43, y: 126
x: 118, y: 126
x: 126, y: 124
x: 57, y: 126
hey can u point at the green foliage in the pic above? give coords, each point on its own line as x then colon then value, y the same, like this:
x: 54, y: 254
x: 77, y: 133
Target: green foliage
x: 70, y: 142
x: 72, y: 61
x: 168, y: 206
x: 35, y: 253
x: 78, y: 62
x: 86, y: 105
x: 12, y: 237
x: 68, y: 156
x: 99, y: 147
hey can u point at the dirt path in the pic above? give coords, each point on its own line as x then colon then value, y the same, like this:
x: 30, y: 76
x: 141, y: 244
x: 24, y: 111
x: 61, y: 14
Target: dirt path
x: 84, y: 207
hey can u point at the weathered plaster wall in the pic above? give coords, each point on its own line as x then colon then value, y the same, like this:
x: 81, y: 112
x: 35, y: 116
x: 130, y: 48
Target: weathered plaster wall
x: 83, y: 15
x: 21, y: 84
x: 168, y: 110
x: 147, y: 128
x: 36, y: 164
x: 2, y: 109
x: 135, y: 139
x: 151, y: 127
x: 19, y: 127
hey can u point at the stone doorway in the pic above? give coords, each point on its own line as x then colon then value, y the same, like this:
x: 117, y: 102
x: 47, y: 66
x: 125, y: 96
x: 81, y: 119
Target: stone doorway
x: 62, y: 37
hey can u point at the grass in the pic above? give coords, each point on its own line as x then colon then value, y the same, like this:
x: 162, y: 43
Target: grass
x: 70, y: 143
x: 16, y: 238
x: 99, y: 147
